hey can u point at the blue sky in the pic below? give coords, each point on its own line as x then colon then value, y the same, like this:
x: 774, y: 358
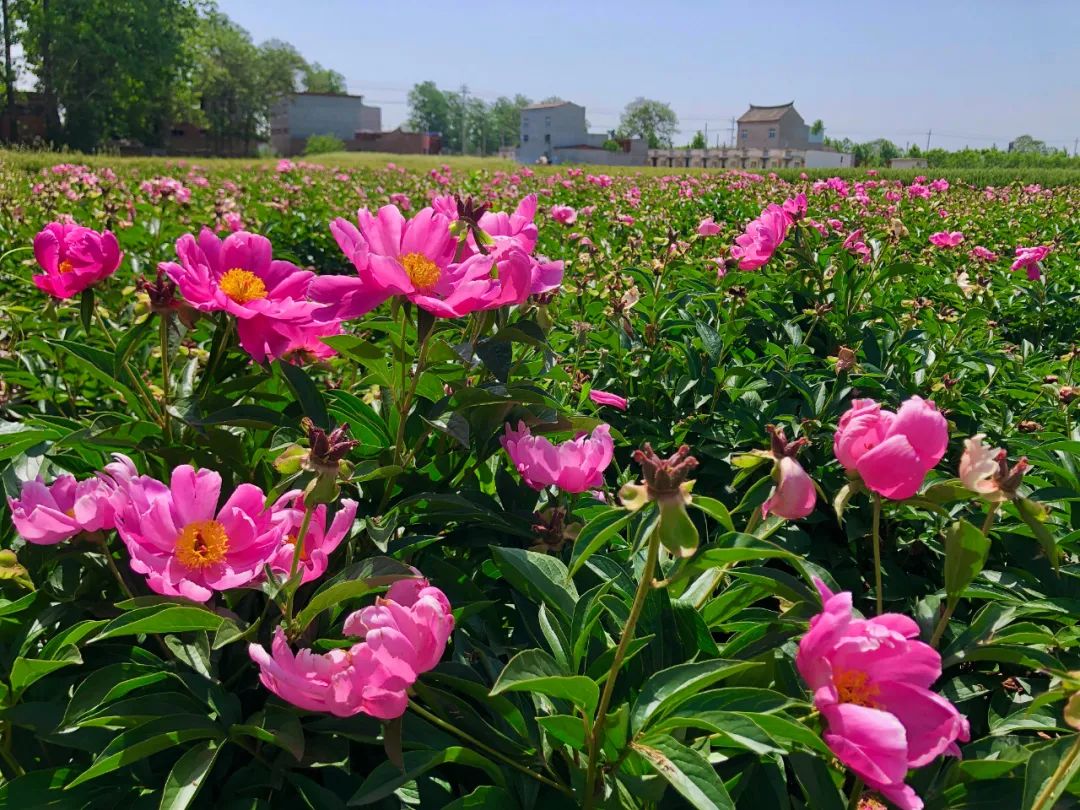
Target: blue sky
x: 975, y: 73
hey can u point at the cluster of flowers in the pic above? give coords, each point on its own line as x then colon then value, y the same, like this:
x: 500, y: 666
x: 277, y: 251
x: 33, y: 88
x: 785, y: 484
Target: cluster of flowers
x: 174, y: 533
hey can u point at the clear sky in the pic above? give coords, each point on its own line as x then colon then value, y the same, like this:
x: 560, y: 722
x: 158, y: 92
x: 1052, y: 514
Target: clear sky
x: 974, y: 72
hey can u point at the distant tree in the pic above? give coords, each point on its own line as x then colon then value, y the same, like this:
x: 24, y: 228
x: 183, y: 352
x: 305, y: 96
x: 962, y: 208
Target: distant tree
x: 699, y: 141
x: 429, y: 110
x: 552, y: 100
x: 505, y: 115
x: 113, y: 66
x: 914, y: 151
x: 817, y: 127
x: 280, y: 67
x: 321, y: 144
x: 1025, y: 144
x: 318, y: 79
x: 7, y: 21
x: 653, y: 120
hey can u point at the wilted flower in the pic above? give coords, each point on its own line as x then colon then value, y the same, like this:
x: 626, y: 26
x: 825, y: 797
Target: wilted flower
x: 985, y: 470
x: 794, y: 495
x: 667, y: 483
x: 324, y: 457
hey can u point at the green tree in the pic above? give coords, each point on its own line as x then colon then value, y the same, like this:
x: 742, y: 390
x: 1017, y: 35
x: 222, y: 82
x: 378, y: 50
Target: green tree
x: 113, y: 66
x: 321, y: 144
x: 7, y: 21
x: 699, y: 141
x: 653, y: 120
x: 1025, y: 144
x: 318, y: 79
x: 818, y: 127
x: 429, y: 110
x: 505, y: 117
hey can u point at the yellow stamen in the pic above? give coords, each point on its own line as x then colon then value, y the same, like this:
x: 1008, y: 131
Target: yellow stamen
x: 202, y: 544
x: 242, y: 285
x: 70, y: 512
x: 853, y: 686
x: 65, y: 266
x: 422, y: 271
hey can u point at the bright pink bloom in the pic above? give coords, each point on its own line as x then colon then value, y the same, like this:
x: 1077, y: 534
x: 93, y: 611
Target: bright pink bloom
x: 73, y: 258
x: 50, y: 513
x: 320, y: 540
x: 946, y: 239
x: 762, y: 237
x: 794, y: 495
x: 403, y: 635
x: 564, y: 214
x: 707, y: 227
x: 892, y: 452
x: 576, y: 465
x: 240, y: 276
x: 517, y: 227
x: 185, y: 545
x: 1030, y: 258
x: 871, y: 682
x: 795, y: 207
x: 298, y: 342
x: 605, y: 398
x: 983, y: 254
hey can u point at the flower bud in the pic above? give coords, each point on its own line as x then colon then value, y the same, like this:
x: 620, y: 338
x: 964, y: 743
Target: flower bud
x: 666, y: 483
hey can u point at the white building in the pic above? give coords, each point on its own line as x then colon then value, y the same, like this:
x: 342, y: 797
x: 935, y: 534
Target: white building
x: 556, y: 132
x: 299, y: 116
x: 738, y: 157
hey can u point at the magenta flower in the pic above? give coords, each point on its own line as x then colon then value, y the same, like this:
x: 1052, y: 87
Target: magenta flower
x: 517, y: 227
x: 73, y: 258
x: 576, y: 465
x: 240, y: 276
x: 1030, y: 259
x: 892, y: 452
x: 946, y: 239
x: 403, y: 635
x: 563, y: 214
x: 45, y: 514
x: 983, y: 254
x: 606, y: 398
x: 762, y: 237
x: 871, y: 682
x: 794, y: 495
x: 184, y: 544
x: 795, y: 207
x: 320, y: 540
x: 707, y: 227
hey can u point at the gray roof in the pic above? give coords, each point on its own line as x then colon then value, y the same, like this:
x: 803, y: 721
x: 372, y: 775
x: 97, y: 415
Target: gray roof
x: 549, y: 104
x: 760, y: 115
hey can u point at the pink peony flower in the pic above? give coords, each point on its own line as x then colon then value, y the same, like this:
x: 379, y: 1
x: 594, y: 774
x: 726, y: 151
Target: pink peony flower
x: 795, y: 207
x: 983, y: 254
x: 762, y: 237
x: 403, y: 635
x: 892, y: 452
x: 945, y: 239
x: 45, y: 514
x: 564, y: 214
x: 576, y: 465
x: 794, y: 495
x: 605, y: 398
x: 1030, y: 259
x: 240, y: 276
x: 707, y: 227
x: 985, y: 471
x: 320, y: 540
x: 184, y: 544
x: 871, y: 682
x: 73, y: 258
x: 517, y: 227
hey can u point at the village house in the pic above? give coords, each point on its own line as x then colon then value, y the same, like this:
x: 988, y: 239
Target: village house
x: 298, y: 116
x: 776, y: 127
x: 556, y: 132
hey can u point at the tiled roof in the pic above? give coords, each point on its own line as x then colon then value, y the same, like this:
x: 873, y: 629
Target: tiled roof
x: 760, y: 115
x: 549, y: 104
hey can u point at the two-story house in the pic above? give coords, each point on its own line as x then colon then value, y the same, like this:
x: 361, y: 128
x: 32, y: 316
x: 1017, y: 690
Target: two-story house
x: 778, y: 127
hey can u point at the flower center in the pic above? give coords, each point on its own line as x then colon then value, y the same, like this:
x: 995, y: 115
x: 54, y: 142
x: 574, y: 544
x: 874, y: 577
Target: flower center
x: 305, y: 554
x: 202, y: 544
x: 853, y: 687
x: 65, y: 266
x: 242, y: 285
x: 422, y: 271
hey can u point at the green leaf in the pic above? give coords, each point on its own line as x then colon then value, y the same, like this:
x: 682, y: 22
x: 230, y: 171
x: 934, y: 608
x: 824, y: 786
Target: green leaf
x: 188, y: 775
x: 566, y: 728
x: 536, y: 671
x: 387, y: 777
x: 1034, y: 515
x: 666, y: 689
x: 26, y: 671
x: 146, y: 740
x: 687, y: 771
x: 966, y: 549
x: 161, y: 619
x: 595, y: 533
x: 485, y: 797
x: 86, y: 309
x: 306, y: 393
x: 355, y: 581
x: 538, y: 576
x: 1049, y: 771
x: 110, y: 683
x: 714, y: 509
x: 276, y: 726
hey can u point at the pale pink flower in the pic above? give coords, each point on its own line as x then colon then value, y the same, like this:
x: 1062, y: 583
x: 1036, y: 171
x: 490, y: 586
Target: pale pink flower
x: 871, y: 682
x: 983, y: 254
x: 892, y: 452
x: 574, y: 466
x: 564, y: 214
x: 985, y: 471
x: 794, y: 495
x: 707, y: 227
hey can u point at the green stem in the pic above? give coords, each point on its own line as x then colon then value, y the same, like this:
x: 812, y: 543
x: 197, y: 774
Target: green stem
x: 298, y: 551
x: 877, y: 555
x: 595, y: 733
x: 222, y: 330
x: 943, y: 622
x: 752, y: 523
x: 165, y: 381
x: 5, y: 750
x: 104, y: 328
x: 1063, y: 768
x: 988, y: 522
x: 856, y: 794
x: 107, y: 553
x: 404, y: 406
x: 435, y: 720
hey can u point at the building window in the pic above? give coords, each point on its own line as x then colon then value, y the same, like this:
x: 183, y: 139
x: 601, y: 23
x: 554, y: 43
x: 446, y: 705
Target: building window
x: 525, y: 123
x: 745, y: 135
x: 772, y: 133
x: 547, y: 120
x: 547, y: 137
x: 525, y: 137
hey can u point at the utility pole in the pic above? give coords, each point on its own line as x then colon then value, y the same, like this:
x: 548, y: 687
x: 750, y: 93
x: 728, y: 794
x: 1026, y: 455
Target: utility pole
x: 928, y: 139
x: 733, y: 131
x: 706, y: 134
x: 9, y: 76
x: 1076, y: 141
x: 464, y: 95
